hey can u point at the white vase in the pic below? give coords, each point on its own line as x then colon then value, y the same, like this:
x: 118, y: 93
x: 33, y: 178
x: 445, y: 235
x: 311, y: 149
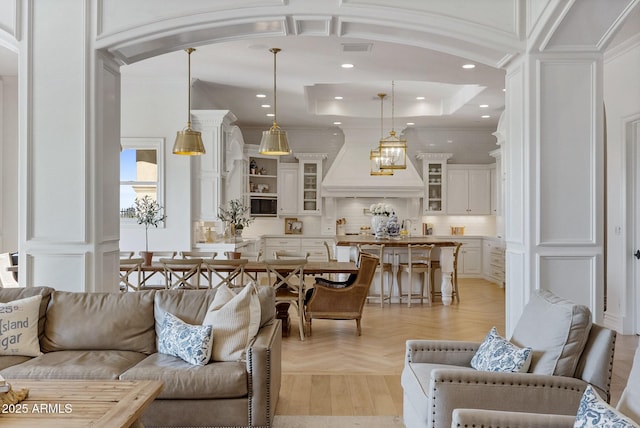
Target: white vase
x: 379, y: 225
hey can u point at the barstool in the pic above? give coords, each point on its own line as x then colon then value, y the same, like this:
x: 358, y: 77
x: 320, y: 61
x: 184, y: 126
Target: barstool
x: 418, y: 261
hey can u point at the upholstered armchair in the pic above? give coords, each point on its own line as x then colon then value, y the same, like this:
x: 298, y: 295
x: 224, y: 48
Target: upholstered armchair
x: 628, y: 406
x: 568, y: 353
x: 346, y: 302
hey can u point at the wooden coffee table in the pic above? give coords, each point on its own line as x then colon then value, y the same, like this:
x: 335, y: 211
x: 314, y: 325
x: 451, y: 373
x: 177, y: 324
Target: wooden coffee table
x: 80, y: 403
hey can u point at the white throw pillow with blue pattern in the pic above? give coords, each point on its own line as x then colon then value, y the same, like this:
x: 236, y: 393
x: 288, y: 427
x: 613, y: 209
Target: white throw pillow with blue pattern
x: 595, y: 412
x: 192, y: 343
x: 497, y: 354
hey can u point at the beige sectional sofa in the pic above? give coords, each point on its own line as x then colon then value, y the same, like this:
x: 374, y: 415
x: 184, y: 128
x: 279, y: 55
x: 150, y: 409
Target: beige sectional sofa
x: 113, y: 336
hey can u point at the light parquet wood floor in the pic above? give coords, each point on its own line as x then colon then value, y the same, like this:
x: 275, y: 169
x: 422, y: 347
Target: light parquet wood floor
x: 334, y: 372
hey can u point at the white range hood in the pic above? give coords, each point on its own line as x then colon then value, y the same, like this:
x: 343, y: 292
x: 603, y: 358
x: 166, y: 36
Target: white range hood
x: 350, y: 173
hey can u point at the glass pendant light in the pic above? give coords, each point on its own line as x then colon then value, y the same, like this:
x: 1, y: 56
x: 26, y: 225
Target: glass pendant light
x: 274, y: 141
x: 375, y: 157
x: 393, y: 149
x: 188, y: 142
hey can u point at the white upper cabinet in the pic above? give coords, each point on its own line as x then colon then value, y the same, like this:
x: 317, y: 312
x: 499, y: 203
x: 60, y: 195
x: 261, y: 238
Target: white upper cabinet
x: 434, y: 175
x: 288, y: 189
x: 468, y: 190
x: 309, y: 183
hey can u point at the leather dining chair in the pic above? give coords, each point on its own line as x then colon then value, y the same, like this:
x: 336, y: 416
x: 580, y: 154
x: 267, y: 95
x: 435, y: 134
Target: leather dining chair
x: 346, y: 302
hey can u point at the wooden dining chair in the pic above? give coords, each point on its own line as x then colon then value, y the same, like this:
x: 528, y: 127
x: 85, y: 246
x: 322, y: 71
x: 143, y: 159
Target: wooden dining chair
x: 330, y: 256
x: 198, y: 254
x: 287, y: 277
x: 204, y: 255
x: 291, y: 255
x: 260, y: 278
x: 385, y: 269
x: 131, y: 274
x: 7, y: 280
x: 230, y: 272
x: 181, y: 273
x: 147, y: 275
x: 418, y: 262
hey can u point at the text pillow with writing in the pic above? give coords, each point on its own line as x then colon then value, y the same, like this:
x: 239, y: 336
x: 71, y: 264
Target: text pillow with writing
x: 19, y: 327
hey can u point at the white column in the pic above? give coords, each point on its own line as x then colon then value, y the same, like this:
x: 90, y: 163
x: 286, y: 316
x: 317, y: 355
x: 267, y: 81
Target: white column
x: 554, y: 180
x: 208, y: 170
x: 69, y: 151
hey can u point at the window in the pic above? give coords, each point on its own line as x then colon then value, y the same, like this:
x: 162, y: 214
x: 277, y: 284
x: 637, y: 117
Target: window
x: 141, y: 173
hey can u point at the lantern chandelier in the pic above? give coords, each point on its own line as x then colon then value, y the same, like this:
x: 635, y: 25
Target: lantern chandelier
x: 375, y: 156
x: 393, y: 149
x: 274, y: 141
x: 188, y: 142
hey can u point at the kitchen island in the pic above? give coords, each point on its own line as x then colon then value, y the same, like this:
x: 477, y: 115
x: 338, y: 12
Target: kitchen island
x: 346, y: 246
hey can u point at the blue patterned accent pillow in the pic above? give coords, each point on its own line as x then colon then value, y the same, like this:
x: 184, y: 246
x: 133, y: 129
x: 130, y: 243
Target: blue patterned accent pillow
x: 595, y: 412
x: 496, y: 354
x: 192, y: 343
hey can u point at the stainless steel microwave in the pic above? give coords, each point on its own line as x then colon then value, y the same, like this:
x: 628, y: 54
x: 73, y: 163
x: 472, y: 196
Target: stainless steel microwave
x: 264, y: 207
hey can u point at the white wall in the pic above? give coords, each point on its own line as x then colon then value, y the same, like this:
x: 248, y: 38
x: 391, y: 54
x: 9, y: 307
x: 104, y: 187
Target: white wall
x: 9, y: 163
x: 159, y: 109
x: 622, y: 103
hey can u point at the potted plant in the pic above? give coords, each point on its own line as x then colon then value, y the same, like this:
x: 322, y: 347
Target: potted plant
x: 148, y: 212
x: 236, y: 216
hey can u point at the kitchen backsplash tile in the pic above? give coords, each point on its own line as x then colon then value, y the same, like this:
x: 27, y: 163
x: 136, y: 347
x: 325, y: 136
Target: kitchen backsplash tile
x: 483, y: 225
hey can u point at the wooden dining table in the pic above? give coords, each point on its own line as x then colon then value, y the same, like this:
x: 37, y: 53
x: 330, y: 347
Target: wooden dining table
x: 311, y: 268
x: 252, y: 269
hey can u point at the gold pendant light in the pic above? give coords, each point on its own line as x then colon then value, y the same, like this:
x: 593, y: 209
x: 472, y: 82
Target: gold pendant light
x: 375, y: 156
x: 188, y: 142
x: 393, y: 149
x: 274, y: 141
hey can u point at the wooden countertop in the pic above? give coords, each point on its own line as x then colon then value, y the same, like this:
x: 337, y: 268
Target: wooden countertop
x: 349, y: 240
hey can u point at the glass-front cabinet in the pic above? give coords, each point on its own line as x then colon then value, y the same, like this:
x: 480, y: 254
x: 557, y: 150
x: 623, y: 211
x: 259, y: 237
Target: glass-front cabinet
x: 434, y: 176
x: 310, y: 180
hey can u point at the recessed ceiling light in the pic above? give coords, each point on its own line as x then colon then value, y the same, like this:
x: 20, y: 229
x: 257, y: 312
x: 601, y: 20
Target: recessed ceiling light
x: 410, y: 123
x: 469, y: 66
x: 449, y: 141
x: 484, y: 105
x: 504, y: 89
x: 347, y: 65
x: 270, y: 114
x: 485, y: 116
x: 265, y: 105
x: 337, y: 98
x: 432, y: 144
x: 419, y: 98
x: 261, y: 96
x: 337, y: 123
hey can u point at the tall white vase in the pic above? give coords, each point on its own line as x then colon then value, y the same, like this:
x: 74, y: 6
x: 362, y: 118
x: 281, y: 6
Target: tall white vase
x: 379, y: 225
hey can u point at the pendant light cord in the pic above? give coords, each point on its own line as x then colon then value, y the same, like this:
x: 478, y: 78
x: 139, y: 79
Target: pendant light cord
x: 381, y: 95
x: 393, y: 97
x: 275, y: 92
x: 189, y: 50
